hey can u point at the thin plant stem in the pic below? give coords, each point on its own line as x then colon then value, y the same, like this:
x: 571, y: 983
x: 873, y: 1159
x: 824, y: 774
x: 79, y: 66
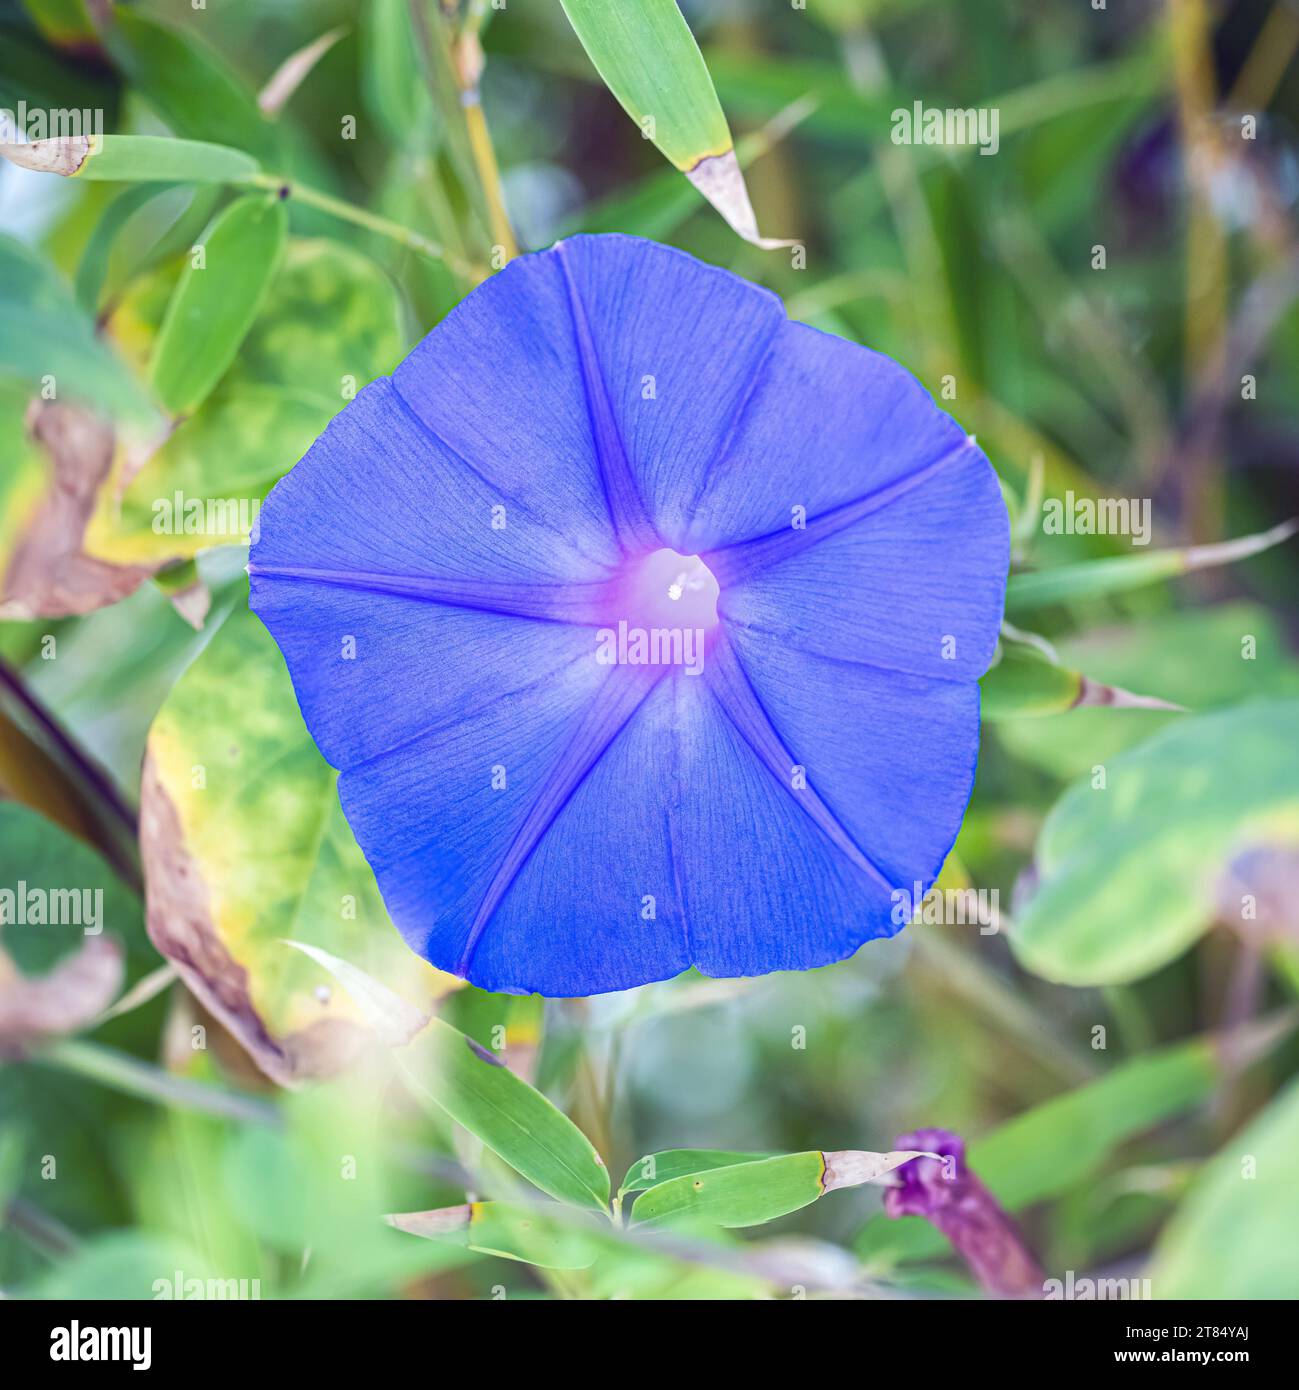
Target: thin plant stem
x: 147, y: 1082
x: 381, y: 226
x: 489, y: 175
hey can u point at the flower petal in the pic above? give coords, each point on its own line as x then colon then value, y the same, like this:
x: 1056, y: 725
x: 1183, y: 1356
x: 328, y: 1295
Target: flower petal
x: 915, y: 587
x: 540, y: 821
x: 379, y: 493
x: 679, y: 847
x: 679, y: 347
x: 828, y: 423
x: 892, y: 756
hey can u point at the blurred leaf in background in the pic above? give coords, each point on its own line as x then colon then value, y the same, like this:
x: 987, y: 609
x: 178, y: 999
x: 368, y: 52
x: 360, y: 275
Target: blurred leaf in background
x: 285, y: 198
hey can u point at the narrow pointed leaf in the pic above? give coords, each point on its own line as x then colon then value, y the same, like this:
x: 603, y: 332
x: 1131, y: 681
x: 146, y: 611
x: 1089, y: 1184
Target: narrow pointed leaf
x: 516, y: 1122
x: 651, y: 63
x: 747, y: 1194
x: 154, y: 158
x: 187, y: 82
x: 215, y: 304
x: 1098, y: 578
x: 294, y: 70
x: 478, y: 1091
x: 512, y: 1232
x: 134, y: 159
x: 676, y: 1163
x: 1024, y: 682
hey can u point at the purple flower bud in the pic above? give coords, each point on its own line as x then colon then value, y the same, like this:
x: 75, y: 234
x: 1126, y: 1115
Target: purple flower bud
x: 949, y: 1196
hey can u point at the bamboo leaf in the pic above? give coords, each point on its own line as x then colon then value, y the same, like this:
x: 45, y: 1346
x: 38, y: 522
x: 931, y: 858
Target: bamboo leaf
x: 747, y: 1194
x: 153, y: 158
x: 294, y: 70
x: 1098, y: 578
x: 649, y: 60
x: 92, y: 271
x: 133, y: 159
x: 216, y: 301
x: 188, y: 83
x: 502, y: 1228
x: 677, y: 1163
x: 478, y: 1091
x: 512, y: 1119
x: 1027, y: 681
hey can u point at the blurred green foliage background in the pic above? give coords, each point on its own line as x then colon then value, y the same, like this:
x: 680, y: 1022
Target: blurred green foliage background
x: 1108, y: 303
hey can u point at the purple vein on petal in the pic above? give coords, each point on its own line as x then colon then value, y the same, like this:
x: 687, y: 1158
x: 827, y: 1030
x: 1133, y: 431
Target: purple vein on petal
x: 579, y: 604
x: 726, y: 458
x: 740, y: 702
x: 732, y: 564
x: 631, y: 522
x: 504, y: 494
x: 617, y: 700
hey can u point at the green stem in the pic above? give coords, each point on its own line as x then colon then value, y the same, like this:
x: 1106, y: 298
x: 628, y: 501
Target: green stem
x: 381, y: 226
x: 146, y: 1082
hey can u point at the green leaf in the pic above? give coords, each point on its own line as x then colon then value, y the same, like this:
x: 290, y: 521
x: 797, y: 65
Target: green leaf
x: 188, y: 84
x: 744, y: 1194
x: 512, y: 1119
x: 1200, y: 659
x: 526, y: 1234
x: 1026, y: 681
x: 1131, y: 873
x: 205, y: 486
x: 391, y: 77
x: 678, y: 1163
x: 215, y: 304
x: 1236, y: 1235
x: 44, y: 334
x: 510, y: 1025
x: 93, y: 268
x: 330, y: 325
x: 244, y: 844
x: 153, y: 158
x: 135, y: 159
x: 747, y: 1194
x: 649, y: 60
x: 476, y: 1089
x: 1098, y: 578
x: 120, y: 1265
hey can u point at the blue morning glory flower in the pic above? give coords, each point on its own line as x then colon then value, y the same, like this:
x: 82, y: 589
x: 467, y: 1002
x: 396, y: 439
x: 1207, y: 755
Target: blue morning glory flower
x: 643, y: 626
